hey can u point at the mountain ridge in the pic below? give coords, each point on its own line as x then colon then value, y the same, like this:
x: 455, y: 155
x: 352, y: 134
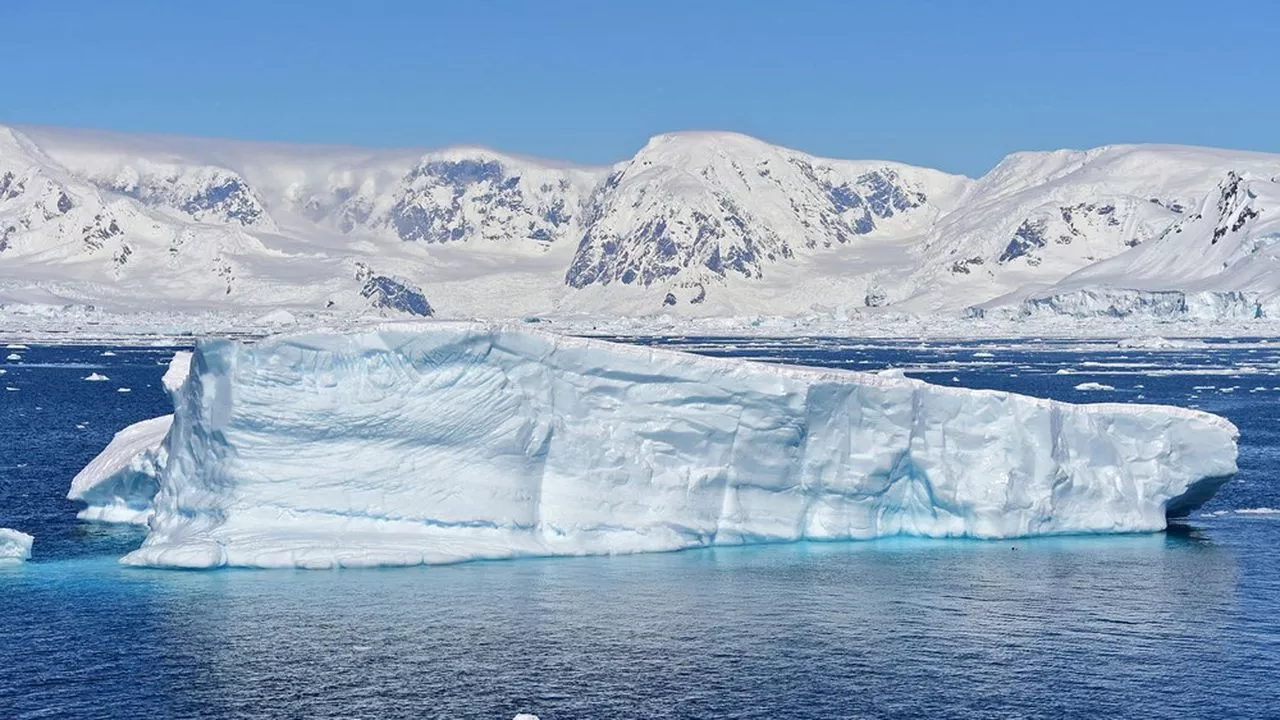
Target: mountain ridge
x: 696, y: 223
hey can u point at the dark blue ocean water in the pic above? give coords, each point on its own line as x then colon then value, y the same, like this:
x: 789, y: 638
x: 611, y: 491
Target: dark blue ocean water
x: 1184, y: 623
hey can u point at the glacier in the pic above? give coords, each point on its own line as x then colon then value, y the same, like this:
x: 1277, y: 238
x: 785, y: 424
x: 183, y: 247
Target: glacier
x: 15, y: 546
x: 439, y: 442
x: 118, y: 485
x: 101, y: 229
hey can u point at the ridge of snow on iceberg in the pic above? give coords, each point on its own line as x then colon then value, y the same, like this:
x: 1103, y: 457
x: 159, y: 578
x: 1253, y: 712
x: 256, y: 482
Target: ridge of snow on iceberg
x: 443, y: 442
x: 119, y: 484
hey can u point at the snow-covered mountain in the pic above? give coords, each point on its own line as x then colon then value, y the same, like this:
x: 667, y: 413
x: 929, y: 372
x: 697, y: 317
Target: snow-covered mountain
x: 696, y: 223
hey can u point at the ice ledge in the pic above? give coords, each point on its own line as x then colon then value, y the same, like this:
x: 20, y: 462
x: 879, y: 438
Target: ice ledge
x: 119, y: 484
x: 440, y: 442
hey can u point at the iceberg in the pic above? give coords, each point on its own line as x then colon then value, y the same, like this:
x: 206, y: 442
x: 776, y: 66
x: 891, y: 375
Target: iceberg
x: 119, y: 484
x: 14, y: 546
x: 442, y: 442
x: 176, y: 373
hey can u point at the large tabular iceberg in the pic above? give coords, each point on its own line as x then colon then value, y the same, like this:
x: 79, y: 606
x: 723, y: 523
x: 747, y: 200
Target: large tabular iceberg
x: 443, y: 442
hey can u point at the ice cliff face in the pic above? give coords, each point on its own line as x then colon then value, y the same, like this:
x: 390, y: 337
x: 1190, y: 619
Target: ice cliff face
x: 444, y: 442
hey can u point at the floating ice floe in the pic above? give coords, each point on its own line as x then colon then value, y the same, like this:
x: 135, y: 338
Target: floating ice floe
x: 14, y: 546
x: 1158, y: 343
x: 124, y: 390
x: 1094, y: 387
x: 96, y: 377
x: 443, y: 442
x: 277, y: 317
x: 13, y: 356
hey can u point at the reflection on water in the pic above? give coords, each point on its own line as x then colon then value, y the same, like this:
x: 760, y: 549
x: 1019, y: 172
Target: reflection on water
x: 1081, y: 627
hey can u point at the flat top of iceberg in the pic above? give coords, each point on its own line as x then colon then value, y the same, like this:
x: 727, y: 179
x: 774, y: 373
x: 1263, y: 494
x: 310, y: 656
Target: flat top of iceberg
x: 394, y: 334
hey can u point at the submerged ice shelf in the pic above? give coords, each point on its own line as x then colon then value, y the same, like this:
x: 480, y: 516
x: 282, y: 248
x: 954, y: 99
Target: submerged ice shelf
x: 443, y: 442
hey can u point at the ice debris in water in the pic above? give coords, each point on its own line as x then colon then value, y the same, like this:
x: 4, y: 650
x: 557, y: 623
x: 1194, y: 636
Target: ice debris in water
x: 442, y: 442
x: 1094, y: 386
x: 96, y: 377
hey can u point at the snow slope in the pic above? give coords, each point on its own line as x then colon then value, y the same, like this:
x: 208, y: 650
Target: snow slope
x: 696, y: 224
x: 1041, y: 224
x: 1226, y: 253
x: 442, y: 442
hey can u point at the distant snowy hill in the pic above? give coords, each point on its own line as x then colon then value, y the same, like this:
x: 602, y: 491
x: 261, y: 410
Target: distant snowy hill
x: 695, y: 224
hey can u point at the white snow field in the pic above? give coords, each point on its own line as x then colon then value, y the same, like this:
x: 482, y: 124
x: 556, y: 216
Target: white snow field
x: 119, y: 484
x: 14, y: 546
x: 440, y: 442
x: 106, y: 233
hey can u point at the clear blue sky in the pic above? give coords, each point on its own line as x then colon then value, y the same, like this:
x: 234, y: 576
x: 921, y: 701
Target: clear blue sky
x: 949, y: 84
